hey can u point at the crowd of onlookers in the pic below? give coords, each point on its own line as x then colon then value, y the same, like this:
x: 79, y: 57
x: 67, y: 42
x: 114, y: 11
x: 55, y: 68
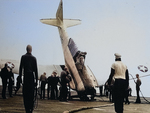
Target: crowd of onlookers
x: 57, y: 87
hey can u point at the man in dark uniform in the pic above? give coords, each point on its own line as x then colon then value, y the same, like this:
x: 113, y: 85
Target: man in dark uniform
x: 4, y: 76
x: 43, y: 81
x: 11, y: 82
x: 54, y: 89
x: 138, y: 83
x: 53, y: 80
x: 49, y: 81
x: 28, y: 65
x: 18, y: 84
x: 64, y: 80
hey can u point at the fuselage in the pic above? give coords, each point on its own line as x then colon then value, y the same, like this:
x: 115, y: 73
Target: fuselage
x: 83, y: 79
x: 77, y: 82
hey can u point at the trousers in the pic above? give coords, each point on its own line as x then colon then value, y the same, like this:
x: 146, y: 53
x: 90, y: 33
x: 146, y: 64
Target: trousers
x: 120, y: 86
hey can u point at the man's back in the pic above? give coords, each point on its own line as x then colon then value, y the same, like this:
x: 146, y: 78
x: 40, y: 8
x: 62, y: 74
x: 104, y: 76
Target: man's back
x: 43, y: 78
x: 28, y: 67
x: 4, y: 73
x: 28, y: 63
x: 120, y: 69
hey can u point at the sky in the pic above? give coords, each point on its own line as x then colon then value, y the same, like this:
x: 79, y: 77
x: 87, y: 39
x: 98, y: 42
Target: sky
x: 107, y: 27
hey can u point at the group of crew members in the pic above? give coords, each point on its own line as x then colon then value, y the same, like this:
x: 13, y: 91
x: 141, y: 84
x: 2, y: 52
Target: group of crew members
x: 28, y: 69
x: 117, y: 83
x: 7, y: 79
x: 108, y: 91
x: 52, y: 85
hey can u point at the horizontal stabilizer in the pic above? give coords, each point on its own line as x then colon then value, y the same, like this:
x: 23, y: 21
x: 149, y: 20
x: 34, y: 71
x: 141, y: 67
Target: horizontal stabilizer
x: 71, y: 22
x: 52, y: 22
x: 67, y: 22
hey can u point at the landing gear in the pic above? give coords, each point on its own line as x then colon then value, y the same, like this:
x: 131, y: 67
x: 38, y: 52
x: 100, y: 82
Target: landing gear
x: 87, y: 95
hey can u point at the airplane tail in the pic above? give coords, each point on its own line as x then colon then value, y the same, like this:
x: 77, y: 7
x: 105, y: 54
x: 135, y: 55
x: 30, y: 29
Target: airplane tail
x: 59, y: 13
x: 59, y: 21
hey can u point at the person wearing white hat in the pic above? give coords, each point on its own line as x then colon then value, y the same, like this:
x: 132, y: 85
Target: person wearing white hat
x: 120, y: 72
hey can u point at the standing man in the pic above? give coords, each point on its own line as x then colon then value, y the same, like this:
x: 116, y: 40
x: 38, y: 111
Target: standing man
x: 11, y: 82
x: 28, y: 66
x: 49, y: 81
x: 4, y: 76
x: 120, y: 73
x: 18, y: 84
x: 54, y: 89
x: 64, y: 80
x: 43, y: 83
x: 138, y: 83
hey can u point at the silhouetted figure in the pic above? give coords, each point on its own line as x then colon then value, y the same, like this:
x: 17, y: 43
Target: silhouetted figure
x: 18, y: 84
x: 11, y: 82
x: 53, y: 80
x: 101, y: 90
x: 49, y: 81
x: 28, y: 65
x: 127, y: 95
x: 138, y: 83
x: 130, y: 91
x: 106, y: 89
x: 43, y: 80
x: 4, y: 76
x: 110, y: 90
x: 120, y: 73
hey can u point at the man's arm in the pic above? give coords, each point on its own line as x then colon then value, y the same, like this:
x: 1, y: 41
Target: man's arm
x: 36, y: 72
x: 127, y: 77
x: 13, y: 78
x: 20, y: 69
x: 111, y: 76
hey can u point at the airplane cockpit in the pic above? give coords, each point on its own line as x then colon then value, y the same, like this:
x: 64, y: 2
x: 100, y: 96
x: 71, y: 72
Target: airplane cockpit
x: 78, y: 56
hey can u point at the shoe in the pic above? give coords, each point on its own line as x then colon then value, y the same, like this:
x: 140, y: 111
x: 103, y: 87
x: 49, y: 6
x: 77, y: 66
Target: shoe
x: 137, y: 102
x: 15, y: 92
x: 4, y: 97
x: 65, y: 100
x: 127, y: 102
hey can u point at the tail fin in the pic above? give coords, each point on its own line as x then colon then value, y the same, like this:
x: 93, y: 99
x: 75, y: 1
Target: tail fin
x: 59, y: 21
x: 59, y: 14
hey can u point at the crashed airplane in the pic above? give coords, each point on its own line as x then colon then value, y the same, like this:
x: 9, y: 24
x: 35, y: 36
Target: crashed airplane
x: 83, y: 80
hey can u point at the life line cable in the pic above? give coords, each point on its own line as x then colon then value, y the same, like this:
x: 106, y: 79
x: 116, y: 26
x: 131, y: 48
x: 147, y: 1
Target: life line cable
x: 35, y: 101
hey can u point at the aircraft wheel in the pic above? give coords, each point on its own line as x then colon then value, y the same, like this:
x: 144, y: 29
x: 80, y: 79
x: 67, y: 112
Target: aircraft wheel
x: 84, y: 97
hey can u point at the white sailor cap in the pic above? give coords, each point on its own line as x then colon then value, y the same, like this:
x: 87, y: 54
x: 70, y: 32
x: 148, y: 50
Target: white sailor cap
x: 117, y: 55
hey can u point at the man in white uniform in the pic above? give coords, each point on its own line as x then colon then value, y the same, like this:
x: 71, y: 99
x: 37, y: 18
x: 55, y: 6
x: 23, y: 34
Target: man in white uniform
x: 120, y: 72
